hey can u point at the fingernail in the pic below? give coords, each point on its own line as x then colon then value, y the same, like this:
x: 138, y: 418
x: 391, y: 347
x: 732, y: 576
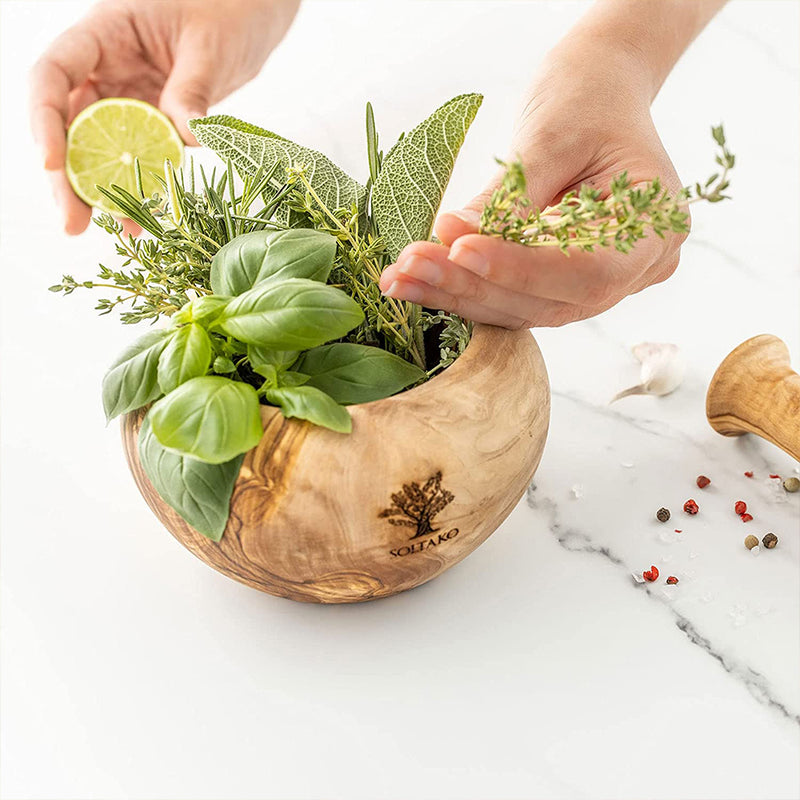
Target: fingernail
x: 408, y: 291
x: 469, y: 259
x: 422, y: 269
x: 468, y: 215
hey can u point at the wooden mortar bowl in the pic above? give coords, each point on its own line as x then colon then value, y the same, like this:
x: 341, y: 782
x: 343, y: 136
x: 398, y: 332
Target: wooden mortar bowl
x: 424, y: 478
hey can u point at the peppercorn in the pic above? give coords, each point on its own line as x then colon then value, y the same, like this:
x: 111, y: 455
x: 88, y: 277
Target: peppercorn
x: 770, y: 540
x: 662, y: 515
x: 702, y: 481
x: 750, y: 541
x: 672, y: 580
x: 746, y: 517
x: 651, y: 574
x: 690, y: 507
x: 740, y: 507
x: 748, y: 474
x: 791, y: 484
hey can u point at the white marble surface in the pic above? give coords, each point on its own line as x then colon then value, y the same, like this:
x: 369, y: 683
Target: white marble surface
x: 537, y: 668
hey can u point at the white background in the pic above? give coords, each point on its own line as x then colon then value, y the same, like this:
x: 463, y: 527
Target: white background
x: 534, y: 669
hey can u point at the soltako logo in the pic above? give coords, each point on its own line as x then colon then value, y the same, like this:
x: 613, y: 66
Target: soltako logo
x: 425, y: 544
x: 415, y: 507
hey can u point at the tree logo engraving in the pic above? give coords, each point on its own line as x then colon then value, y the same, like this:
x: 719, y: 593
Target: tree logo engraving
x: 416, y: 506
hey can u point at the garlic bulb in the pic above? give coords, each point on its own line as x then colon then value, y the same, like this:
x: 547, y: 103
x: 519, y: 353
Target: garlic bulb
x: 662, y: 371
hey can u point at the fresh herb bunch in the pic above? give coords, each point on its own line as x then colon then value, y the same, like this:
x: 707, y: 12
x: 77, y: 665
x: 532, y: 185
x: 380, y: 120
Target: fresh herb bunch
x: 271, y: 290
x: 586, y: 220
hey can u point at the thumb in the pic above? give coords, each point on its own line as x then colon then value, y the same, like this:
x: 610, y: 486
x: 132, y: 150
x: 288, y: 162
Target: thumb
x: 188, y: 90
x: 543, y: 185
x: 452, y: 224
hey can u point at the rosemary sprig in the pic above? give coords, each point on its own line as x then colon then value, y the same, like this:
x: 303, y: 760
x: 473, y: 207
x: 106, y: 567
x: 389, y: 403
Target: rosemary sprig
x: 159, y: 275
x: 585, y: 220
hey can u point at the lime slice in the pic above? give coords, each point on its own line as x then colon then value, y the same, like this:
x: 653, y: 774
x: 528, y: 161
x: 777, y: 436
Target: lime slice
x: 106, y: 137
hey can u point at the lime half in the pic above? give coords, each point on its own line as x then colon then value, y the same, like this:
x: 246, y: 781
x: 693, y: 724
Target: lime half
x: 106, y: 137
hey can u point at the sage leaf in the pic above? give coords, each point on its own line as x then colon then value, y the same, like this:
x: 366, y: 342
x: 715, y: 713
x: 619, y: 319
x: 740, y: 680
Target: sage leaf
x: 306, y: 402
x: 357, y: 373
x: 294, y: 314
x: 212, y: 419
x: 199, y: 492
x: 253, y: 257
x: 250, y: 147
x: 415, y: 173
x: 132, y: 380
x: 186, y: 356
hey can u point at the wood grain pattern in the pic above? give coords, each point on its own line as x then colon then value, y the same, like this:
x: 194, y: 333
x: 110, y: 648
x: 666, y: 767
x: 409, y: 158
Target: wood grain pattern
x: 424, y: 478
x: 755, y: 390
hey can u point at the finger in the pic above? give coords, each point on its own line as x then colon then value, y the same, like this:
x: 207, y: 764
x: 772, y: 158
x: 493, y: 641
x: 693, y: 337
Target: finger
x: 188, y: 91
x: 425, y: 268
x: 404, y: 288
x: 76, y: 214
x: 65, y: 66
x: 542, y: 313
x: 588, y: 279
x: 130, y: 228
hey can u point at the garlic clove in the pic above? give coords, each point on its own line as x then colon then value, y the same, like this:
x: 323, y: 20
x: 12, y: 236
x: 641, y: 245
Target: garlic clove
x: 663, y: 370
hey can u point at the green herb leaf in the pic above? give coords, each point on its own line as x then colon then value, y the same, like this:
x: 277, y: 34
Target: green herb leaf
x: 356, y: 373
x: 187, y: 356
x: 202, y: 309
x: 294, y: 314
x: 211, y: 418
x: 256, y: 256
x: 250, y: 147
x: 223, y: 365
x: 306, y: 402
x: 291, y: 378
x: 199, y: 492
x: 132, y: 380
x: 280, y: 359
x: 415, y: 172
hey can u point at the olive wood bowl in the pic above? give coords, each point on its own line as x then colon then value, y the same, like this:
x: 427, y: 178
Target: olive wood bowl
x: 425, y: 477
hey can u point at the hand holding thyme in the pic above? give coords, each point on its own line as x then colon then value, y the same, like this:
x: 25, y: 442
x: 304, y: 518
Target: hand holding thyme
x: 503, y: 260
x: 586, y: 220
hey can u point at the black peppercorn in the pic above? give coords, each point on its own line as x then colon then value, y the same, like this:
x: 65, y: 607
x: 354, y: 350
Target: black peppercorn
x: 662, y: 515
x: 769, y: 541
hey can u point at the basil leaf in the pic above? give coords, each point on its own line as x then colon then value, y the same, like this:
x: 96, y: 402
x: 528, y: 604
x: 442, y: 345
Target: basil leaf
x: 250, y: 147
x: 211, y: 418
x: 187, y: 355
x: 306, y: 402
x: 291, y: 378
x: 202, y: 309
x: 294, y: 314
x: 356, y: 373
x: 415, y: 172
x: 253, y: 257
x: 280, y: 359
x: 199, y: 492
x: 224, y: 365
x: 132, y: 380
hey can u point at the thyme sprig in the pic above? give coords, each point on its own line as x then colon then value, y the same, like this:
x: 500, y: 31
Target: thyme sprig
x: 188, y: 224
x: 586, y: 220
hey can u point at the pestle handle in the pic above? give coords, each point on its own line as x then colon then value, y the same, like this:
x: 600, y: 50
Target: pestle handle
x: 755, y: 390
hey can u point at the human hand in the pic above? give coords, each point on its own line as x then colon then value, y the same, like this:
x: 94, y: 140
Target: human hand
x: 579, y: 125
x: 181, y: 55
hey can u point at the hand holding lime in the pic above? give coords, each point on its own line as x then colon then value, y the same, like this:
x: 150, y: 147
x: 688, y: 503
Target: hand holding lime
x: 104, y: 140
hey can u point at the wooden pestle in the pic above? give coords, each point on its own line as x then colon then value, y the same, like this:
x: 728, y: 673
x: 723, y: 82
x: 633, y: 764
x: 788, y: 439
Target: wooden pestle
x: 755, y: 390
